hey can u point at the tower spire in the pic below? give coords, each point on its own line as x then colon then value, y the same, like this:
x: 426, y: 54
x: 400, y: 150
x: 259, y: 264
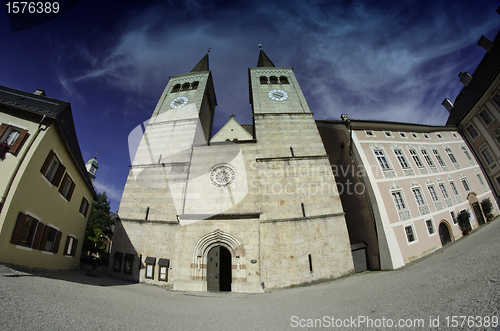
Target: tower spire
x: 203, y: 64
x: 264, y: 60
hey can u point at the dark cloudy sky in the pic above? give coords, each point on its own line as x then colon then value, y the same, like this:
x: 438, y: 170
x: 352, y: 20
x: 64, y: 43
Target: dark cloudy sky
x: 384, y: 60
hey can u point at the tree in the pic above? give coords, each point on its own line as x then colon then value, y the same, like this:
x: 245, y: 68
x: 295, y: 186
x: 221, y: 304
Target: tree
x: 487, y: 207
x: 464, y: 221
x: 99, y: 225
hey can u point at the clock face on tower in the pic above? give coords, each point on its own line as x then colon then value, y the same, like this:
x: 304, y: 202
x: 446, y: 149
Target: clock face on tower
x: 178, y: 102
x: 278, y: 95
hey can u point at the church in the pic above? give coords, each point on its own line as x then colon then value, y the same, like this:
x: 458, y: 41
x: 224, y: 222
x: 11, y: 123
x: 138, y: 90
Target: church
x: 250, y: 208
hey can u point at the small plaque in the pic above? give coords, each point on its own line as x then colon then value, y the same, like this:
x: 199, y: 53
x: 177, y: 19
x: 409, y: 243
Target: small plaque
x: 253, y: 261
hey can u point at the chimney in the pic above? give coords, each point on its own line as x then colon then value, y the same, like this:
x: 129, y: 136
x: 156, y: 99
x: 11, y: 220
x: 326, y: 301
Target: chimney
x: 485, y: 43
x: 40, y: 92
x: 447, y: 104
x: 465, y: 78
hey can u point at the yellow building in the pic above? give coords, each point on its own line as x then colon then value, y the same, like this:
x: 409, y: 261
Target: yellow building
x: 45, y: 190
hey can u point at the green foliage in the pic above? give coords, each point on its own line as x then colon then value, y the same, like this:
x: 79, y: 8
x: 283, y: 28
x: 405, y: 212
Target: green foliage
x: 487, y: 207
x: 464, y: 221
x: 99, y: 225
x: 4, y: 148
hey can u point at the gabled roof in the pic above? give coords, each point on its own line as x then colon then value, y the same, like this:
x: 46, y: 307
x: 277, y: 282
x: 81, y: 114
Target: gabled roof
x: 57, y: 110
x: 232, y: 130
x: 202, y: 65
x: 487, y: 70
x: 264, y: 60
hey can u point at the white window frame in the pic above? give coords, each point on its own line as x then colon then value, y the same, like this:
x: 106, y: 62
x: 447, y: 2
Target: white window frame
x: 414, y: 135
x: 443, y: 190
x: 403, y: 135
x: 419, y: 196
x: 466, y: 153
x: 388, y: 134
x: 454, y: 218
x: 416, y: 158
x: 438, y: 157
x: 465, y: 184
x: 427, y: 157
x: 413, y: 233
x: 399, y: 200
x: 400, y: 156
x: 489, y: 119
x: 385, y: 165
x: 452, y: 157
x: 439, y: 135
x: 433, y: 226
x: 370, y: 133
x: 472, y: 131
x: 454, y: 188
x: 433, y: 193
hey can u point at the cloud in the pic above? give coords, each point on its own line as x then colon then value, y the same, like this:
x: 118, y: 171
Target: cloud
x: 111, y: 191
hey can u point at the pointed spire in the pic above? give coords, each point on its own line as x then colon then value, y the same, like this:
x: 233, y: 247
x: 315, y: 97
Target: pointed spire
x: 264, y: 61
x: 203, y: 64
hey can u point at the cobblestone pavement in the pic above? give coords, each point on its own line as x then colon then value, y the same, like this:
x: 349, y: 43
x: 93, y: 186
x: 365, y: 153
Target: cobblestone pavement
x: 462, y: 279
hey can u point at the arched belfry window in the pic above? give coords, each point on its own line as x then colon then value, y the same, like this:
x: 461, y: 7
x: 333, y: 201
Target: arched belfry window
x: 176, y: 88
x: 284, y: 80
x: 263, y: 79
x: 274, y: 80
x: 194, y: 86
x: 185, y: 86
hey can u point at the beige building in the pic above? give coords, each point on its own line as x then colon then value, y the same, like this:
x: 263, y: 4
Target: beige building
x: 46, y: 192
x: 402, y: 186
x: 476, y: 111
x: 253, y: 208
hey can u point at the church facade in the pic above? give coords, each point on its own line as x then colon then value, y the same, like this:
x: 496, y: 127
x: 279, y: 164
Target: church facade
x: 254, y: 207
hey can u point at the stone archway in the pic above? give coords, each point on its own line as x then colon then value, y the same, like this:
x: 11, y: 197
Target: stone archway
x: 229, y: 253
x: 445, y: 233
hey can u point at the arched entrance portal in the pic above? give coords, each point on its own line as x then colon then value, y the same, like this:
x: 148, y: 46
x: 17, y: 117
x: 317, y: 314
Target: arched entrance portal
x: 219, y: 269
x: 444, y: 234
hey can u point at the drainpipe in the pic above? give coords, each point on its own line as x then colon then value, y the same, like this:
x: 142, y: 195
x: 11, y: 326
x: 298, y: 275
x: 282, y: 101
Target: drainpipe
x: 21, y: 159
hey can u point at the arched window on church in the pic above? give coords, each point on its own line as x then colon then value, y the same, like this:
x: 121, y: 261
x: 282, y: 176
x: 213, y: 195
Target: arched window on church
x: 263, y: 80
x: 185, y: 87
x: 284, y: 80
x: 176, y: 88
x: 274, y: 80
x: 194, y: 86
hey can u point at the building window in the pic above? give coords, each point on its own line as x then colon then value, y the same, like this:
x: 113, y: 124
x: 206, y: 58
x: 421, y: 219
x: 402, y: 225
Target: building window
x: 27, y: 232
x: 418, y: 196
x: 480, y: 179
x: 401, y: 158
x: 67, y: 187
x: 439, y: 158
x: 273, y: 80
x: 150, y: 263
x: 369, y: 133
x: 488, y: 157
x: 194, y: 85
x: 52, y: 169
x: 403, y: 135
x: 416, y: 158
x: 129, y: 261
x: 444, y: 192
x: 410, y: 236
x: 71, y: 246
x: 430, y: 226
x: 433, y: 194
x: 450, y: 155
x: 454, y: 135
x: 439, y: 135
x: 398, y: 200
x: 176, y: 88
x: 466, y: 153
x: 13, y: 136
x: 163, y: 265
x: 453, y: 188
x: 263, y: 80
x: 427, y: 157
x: 465, y: 183
x: 379, y: 154
x: 284, y: 80
x: 426, y: 136
x: 84, y: 207
x: 185, y: 87
x: 50, y: 240
x: 454, y: 217
x: 414, y: 135
x: 472, y: 131
x: 486, y: 116
x: 496, y: 99
x: 388, y: 134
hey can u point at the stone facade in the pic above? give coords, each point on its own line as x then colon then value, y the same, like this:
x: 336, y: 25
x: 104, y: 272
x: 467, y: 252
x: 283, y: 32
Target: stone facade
x: 268, y: 198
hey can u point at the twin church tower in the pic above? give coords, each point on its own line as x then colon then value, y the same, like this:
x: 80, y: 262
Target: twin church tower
x: 251, y: 208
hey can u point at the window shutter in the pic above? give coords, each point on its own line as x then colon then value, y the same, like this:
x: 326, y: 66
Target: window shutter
x: 44, y: 238
x: 71, y: 190
x: 74, y: 247
x: 59, y: 174
x: 61, y: 188
x: 66, y: 245
x: 3, y: 128
x: 58, y: 240
x: 18, y: 230
x: 17, y: 144
x: 38, y: 235
x: 46, y: 164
